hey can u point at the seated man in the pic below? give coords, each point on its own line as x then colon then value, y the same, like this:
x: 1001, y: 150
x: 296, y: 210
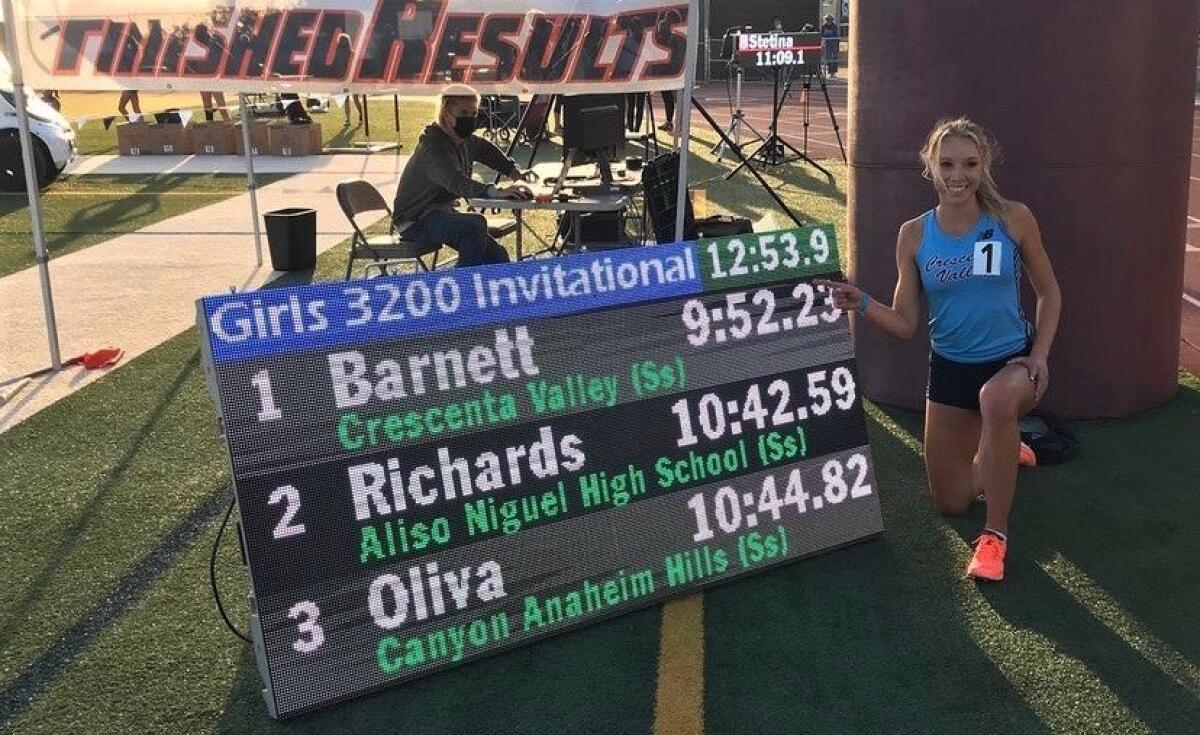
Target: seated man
x: 439, y: 173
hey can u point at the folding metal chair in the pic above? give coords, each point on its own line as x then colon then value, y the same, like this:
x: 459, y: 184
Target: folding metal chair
x: 499, y: 116
x: 384, y: 251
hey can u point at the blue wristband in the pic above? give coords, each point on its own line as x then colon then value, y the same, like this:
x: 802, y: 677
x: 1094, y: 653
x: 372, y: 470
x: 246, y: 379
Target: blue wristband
x: 863, y: 303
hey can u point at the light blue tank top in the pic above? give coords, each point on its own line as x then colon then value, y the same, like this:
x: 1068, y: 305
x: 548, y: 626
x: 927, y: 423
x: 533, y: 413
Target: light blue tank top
x: 973, y: 286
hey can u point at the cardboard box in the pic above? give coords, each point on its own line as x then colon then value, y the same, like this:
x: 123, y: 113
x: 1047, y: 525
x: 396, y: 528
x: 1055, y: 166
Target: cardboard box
x: 288, y: 139
x: 214, y: 139
x: 170, y: 139
x: 258, y: 138
x: 133, y: 139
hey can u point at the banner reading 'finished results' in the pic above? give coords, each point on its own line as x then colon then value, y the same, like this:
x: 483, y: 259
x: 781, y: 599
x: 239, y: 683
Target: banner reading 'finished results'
x: 404, y: 46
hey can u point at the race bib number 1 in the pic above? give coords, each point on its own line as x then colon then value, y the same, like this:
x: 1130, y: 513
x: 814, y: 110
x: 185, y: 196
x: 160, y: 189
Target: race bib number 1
x: 987, y: 258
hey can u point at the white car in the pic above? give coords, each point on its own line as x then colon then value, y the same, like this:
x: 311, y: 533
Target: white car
x: 53, y: 141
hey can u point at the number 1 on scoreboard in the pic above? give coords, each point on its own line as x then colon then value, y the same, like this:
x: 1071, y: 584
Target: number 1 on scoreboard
x: 266, y: 398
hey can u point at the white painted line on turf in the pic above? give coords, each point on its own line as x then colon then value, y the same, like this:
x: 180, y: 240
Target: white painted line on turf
x: 1192, y: 300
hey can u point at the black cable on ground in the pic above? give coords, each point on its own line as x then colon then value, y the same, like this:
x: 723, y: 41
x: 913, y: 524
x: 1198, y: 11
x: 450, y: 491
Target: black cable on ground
x: 212, y: 573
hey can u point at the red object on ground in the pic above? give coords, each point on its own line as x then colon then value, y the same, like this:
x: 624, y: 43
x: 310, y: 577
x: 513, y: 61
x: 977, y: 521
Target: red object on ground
x: 102, y: 358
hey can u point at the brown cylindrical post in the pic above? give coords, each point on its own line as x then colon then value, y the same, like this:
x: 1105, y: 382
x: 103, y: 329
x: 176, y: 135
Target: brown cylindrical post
x: 1092, y: 104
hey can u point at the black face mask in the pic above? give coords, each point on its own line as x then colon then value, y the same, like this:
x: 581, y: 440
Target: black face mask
x: 465, y: 126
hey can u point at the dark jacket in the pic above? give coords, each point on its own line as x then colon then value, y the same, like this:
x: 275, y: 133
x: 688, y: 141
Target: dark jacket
x: 439, y: 173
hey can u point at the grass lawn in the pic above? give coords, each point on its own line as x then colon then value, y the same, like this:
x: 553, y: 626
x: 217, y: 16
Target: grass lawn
x: 79, y: 211
x: 110, y: 502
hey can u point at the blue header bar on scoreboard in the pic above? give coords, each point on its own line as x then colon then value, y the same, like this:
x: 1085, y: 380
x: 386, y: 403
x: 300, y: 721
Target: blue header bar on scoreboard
x: 281, y: 321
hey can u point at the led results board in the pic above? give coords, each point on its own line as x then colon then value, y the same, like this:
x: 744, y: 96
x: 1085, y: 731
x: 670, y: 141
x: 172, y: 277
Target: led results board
x: 779, y: 48
x: 432, y: 468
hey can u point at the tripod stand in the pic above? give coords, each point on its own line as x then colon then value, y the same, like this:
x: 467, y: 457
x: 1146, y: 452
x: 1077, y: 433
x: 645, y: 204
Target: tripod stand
x: 737, y: 119
x: 807, y: 73
x: 774, y: 149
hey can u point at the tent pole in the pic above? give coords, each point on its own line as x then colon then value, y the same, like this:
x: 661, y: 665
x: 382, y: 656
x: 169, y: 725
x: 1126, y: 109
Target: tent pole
x: 250, y: 186
x: 31, y: 185
x: 684, y: 134
x: 707, y: 40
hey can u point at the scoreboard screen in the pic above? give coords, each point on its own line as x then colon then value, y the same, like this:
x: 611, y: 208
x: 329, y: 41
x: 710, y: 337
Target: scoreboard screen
x: 779, y: 48
x: 437, y: 467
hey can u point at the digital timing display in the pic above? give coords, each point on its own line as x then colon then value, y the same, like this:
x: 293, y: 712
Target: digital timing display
x: 436, y: 467
x: 778, y: 48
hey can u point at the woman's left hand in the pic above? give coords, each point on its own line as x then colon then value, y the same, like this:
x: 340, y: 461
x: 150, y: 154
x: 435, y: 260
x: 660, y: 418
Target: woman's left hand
x: 1039, y: 374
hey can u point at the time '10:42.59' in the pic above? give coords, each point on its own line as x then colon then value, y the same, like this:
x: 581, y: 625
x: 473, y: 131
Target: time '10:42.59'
x: 759, y: 409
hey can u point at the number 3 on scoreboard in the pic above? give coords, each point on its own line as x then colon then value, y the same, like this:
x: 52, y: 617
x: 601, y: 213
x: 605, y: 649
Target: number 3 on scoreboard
x: 311, y: 635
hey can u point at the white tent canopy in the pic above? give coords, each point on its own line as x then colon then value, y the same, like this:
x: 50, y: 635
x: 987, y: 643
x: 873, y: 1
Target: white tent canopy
x: 414, y: 47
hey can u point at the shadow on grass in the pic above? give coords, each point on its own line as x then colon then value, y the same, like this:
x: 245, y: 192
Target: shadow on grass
x: 108, y: 214
x: 72, y: 536
x: 1104, y: 564
x: 600, y: 679
x: 126, y: 593
x: 1091, y: 630
x: 344, y: 137
x: 863, y: 639
x: 75, y: 221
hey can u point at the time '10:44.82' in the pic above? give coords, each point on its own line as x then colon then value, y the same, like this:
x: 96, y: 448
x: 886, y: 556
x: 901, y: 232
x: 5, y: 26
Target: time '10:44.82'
x: 841, y: 479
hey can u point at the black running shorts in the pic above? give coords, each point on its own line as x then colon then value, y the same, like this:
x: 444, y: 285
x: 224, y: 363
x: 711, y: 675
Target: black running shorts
x: 958, y: 383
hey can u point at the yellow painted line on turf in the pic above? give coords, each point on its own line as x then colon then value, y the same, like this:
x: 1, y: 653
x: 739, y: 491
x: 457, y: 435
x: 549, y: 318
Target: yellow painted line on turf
x: 679, y: 694
x: 1108, y: 611
x: 895, y: 429
x: 1059, y: 688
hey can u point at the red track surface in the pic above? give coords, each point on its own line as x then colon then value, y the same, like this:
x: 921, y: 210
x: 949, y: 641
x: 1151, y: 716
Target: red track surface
x: 822, y: 144
x: 756, y: 107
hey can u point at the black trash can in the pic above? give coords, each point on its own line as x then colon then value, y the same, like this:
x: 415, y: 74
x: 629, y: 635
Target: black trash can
x: 292, y: 238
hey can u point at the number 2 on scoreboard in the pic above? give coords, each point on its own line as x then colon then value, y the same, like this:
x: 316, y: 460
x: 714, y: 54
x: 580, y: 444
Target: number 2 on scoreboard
x: 290, y: 495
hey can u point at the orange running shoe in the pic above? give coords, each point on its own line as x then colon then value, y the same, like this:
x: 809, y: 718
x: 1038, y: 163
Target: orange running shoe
x: 988, y: 560
x: 1026, y: 457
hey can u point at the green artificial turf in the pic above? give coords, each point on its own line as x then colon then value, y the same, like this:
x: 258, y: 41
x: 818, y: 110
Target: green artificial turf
x: 1092, y: 632
x: 80, y: 211
x: 110, y: 502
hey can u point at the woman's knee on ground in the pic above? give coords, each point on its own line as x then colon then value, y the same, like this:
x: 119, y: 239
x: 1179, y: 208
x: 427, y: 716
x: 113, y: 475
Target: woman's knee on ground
x: 951, y: 503
x: 951, y: 490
